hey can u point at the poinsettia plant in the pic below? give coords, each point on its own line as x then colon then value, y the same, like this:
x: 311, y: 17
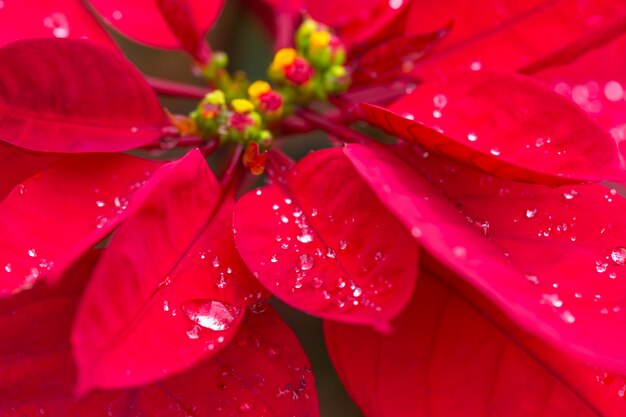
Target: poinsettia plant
x: 459, y: 228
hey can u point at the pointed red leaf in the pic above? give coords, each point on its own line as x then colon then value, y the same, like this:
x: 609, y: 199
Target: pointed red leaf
x: 49, y: 220
x: 452, y: 354
x: 391, y: 58
x: 552, y: 258
x: 323, y: 243
x: 508, y: 34
x: 173, y: 24
x: 596, y: 82
x: 363, y: 23
x: 74, y: 96
x: 50, y: 18
x: 263, y: 372
x: 17, y: 164
x: 173, y: 263
x: 504, y: 124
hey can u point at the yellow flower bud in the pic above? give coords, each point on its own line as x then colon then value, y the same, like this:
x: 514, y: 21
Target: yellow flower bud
x: 319, y: 40
x: 258, y: 88
x: 241, y: 105
x: 215, y: 97
x: 283, y: 58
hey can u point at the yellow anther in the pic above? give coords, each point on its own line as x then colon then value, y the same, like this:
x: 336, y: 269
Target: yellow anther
x: 283, y: 58
x: 215, y: 97
x: 258, y: 88
x: 241, y: 105
x: 319, y: 39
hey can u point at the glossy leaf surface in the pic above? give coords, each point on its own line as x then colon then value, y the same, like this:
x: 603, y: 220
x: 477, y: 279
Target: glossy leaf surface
x: 96, y: 192
x: 60, y: 19
x: 161, y: 267
x: 552, y: 258
x: 459, y: 356
x: 74, y: 96
x: 173, y: 24
x: 323, y: 243
x: 506, y: 125
x: 37, y: 372
x: 509, y: 34
x: 16, y: 165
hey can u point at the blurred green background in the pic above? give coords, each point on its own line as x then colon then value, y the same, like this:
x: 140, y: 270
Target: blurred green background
x: 239, y: 33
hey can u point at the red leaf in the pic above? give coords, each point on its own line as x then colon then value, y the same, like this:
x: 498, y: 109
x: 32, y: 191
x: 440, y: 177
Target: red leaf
x: 264, y: 372
x: 552, y: 258
x: 166, y: 265
x: 596, y: 82
x: 506, y: 125
x: 391, y: 58
x: 16, y: 165
x: 50, y: 18
x: 73, y: 96
x: 452, y: 354
x: 172, y: 24
x: 49, y: 220
x: 361, y: 24
x: 323, y: 243
x: 507, y: 34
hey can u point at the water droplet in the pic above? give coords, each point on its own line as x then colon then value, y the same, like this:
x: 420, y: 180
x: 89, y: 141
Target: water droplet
x: 57, y: 22
x: 343, y: 244
x: 116, y: 15
x: 284, y: 219
x: 459, y: 251
x: 313, y: 212
x: 288, y: 201
x: 601, y: 266
x: 166, y: 306
x: 540, y: 142
x: 259, y: 307
x: 121, y: 203
x: 194, y: 332
x: 100, y: 203
x: 244, y: 407
x: 495, y: 151
x: 316, y: 282
x: 378, y: 256
x: 32, y: 253
x: 297, y: 212
x: 8, y: 268
x: 472, y: 137
x: 357, y: 292
x: 568, y: 317
x: 216, y: 262
x: 306, y: 262
x: 618, y: 255
x: 275, y: 207
x: 305, y: 236
x: 530, y: 213
x: 330, y: 252
x: 569, y: 195
x: 101, y: 221
x: 210, y: 314
x: 533, y: 278
x: 274, y: 259
x: 221, y: 281
x: 440, y: 101
x: 551, y: 299
x: 258, y: 192
x: 22, y: 189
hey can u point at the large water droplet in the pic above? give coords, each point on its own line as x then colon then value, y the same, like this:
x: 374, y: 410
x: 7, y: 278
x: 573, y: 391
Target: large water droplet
x: 305, y: 236
x: 306, y: 262
x: 210, y: 314
x: 618, y: 255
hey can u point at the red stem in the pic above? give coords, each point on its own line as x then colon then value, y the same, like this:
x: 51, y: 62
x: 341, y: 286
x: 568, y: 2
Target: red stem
x: 234, y: 167
x: 284, y: 31
x: 347, y: 134
x: 210, y: 147
x: 174, y: 89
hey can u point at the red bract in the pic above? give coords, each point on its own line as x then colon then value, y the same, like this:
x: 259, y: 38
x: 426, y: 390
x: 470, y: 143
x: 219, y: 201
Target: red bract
x: 172, y: 24
x: 95, y: 191
x: 50, y: 19
x: 460, y: 356
x: 507, y: 125
x: 326, y: 245
x: 263, y: 372
x: 106, y: 105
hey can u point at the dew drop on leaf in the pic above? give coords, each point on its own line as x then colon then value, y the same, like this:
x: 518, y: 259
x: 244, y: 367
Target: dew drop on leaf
x: 306, y: 262
x: 210, y: 314
x: 618, y: 255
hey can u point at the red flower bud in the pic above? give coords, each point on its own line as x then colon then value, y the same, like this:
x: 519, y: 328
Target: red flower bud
x: 299, y: 72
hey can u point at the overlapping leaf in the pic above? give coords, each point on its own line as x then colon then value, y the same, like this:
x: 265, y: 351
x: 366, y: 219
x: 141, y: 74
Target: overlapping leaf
x: 73, y: 96
x: 552, y: 258
x: 263, y: 372
x: 506, y: 125
x: 60, y: 19
x: 50, y: 219
x: 460, y: 356
x: 323, y: 243
x: 173, y: 24
x: 162, y: 297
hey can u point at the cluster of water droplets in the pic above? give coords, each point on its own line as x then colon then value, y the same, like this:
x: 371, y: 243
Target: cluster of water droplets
x: 317, y: 260
x: 58, y: 24
x: 109, y: 207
